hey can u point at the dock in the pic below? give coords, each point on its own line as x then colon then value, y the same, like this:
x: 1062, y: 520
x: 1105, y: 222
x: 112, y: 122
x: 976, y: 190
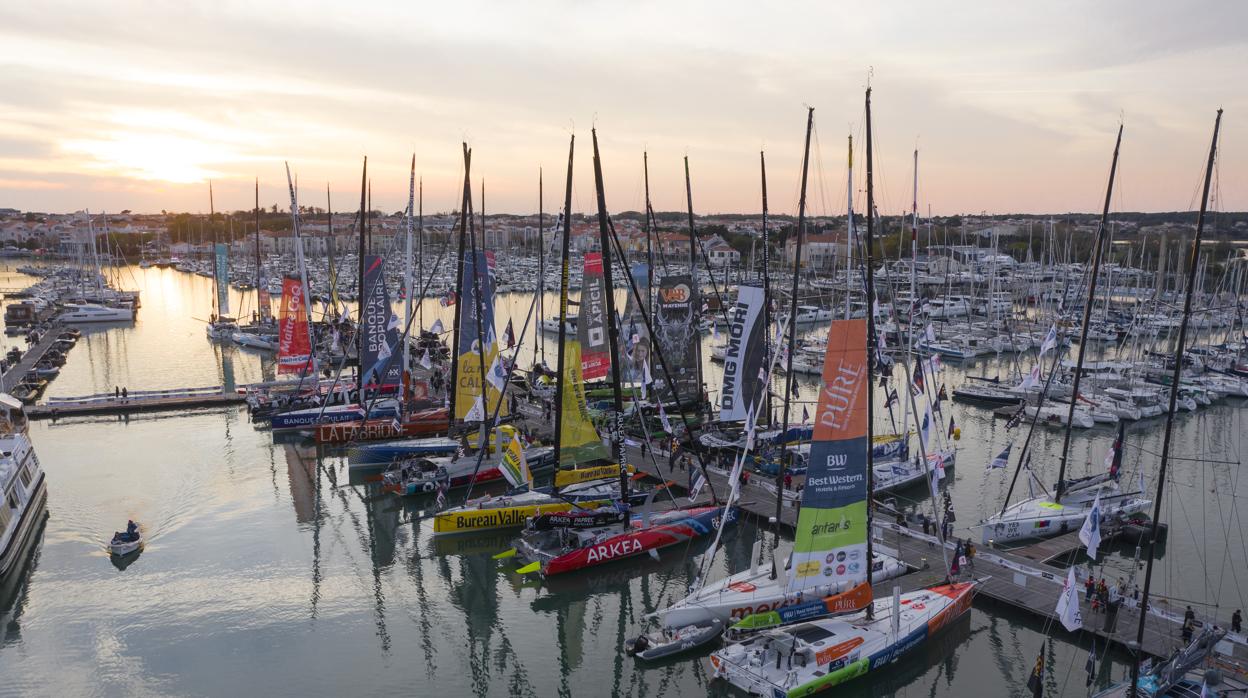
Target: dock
x: 33, y: 354
x: 136, y: 401
x: 1017, y: 578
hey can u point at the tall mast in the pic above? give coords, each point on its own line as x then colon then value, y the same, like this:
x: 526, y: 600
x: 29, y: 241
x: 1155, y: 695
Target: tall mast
x: 561, y: 357
x: 259, y: 279
x: 452, y: 387
x: 645, y: 168
x: 420, y: 252
x: 541, y: 264
x: 333, y: 274
x: 869, y: 241
x: 613, y: 327
x: 211, y: 215
x: 1174, y: 394
x: 767, y: 338
x: 359, y: 327
x: 1087, y: 319
x: 303, y: 274
x: 693, y: 276
x: 797, y: 267
x: 407, y: 275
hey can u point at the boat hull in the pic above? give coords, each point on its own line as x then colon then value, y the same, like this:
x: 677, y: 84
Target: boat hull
x: 424, y: 423
x: 640, y: 541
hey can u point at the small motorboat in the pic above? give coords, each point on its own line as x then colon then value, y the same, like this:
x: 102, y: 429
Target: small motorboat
x: 126, y: 542
x: 661, y: 644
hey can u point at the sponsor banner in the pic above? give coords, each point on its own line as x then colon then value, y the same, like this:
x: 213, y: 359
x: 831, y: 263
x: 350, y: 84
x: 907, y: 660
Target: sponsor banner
x: 677, y: 336
x: 830, y: 545
x: 591, y: 325
x: 474, y: 315
x: 501, y: 517
x: 577, y: 519
x: 579, y: 440
x: 380, y: 340
x: 563, y: 478
x: 515, y: 468
x: 745, y: 355
x: 294, y: 354
x: 221, y: 269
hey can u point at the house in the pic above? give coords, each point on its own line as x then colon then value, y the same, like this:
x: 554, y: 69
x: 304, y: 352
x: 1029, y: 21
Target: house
x: 820, y: 251
x: 720, y: 254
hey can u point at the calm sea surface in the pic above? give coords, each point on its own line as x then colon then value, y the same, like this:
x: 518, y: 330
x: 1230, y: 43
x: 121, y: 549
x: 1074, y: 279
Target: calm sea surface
x: 267, y: 574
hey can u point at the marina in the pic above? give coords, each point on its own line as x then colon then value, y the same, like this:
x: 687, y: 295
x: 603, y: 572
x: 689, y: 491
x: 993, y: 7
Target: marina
x: 655, y: 424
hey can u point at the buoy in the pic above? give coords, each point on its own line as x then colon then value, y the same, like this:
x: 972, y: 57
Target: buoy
x: 957, y: 433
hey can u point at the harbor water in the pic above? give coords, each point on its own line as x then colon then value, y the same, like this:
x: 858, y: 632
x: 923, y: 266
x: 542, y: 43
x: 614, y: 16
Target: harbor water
x: 266, y: 573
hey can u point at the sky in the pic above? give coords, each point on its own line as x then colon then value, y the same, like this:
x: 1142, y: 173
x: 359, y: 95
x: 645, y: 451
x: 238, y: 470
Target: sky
x: 1012, y: 106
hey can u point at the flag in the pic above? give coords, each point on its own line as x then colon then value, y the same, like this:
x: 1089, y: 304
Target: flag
x: 1141, y: 474
x: 1002, y: 460
x: 477, y: 412
x: 1035, y: 683
x: 441, y: 500
x: 1068, y: 610
x: 1090, y: 534
x: 892, y: 398
x: 398, y: 426
x: 951, y: 427
x: 697, y: 482
x: 805, y: 414
x: 1050, y: 340
x: 437, y: 327
x: 917, y: 387
x: 448, y: 299
x: 925, y: 430
x: 715, y: 332
x: 938, y: 466
x: 394, y: 322
x: 930, y: 334
x: 383, y: 350
x: 667, y: 426
x: 1016, y: 419
x: 402, y: 290
x: 510, y: 335
x: 514, y: 466
x: 425, y: 362
x: 934, y: 364
x: 1032, y: 380
x: 497, y: 375
x: 1090, y: 666
x: 1111, y: 459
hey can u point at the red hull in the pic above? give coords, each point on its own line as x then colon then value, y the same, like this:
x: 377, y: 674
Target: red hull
x: 636, y: 542
x: 424, y: 423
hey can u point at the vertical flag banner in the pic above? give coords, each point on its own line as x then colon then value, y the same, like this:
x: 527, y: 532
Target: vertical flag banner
x: 381, y: 339
x: 474, y: 315
x: 831, y: 541
x: 294, y: 355
x: 744, y: 356
x: 221, y: 269
x: 677, y: 335
x: 591, y: 325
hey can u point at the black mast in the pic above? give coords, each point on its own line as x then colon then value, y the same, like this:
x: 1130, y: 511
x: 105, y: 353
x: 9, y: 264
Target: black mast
x: 420, y: 255
x: 871, y: 346
x: 563, y: 302
x: 333, y: 275
x: 797, y: 266
x: 258, y: 279
x: 645, y: 168
x: 541, y: 266
x: 1087, y: 319
x: 613, y: 331
x: 359, y: 327
x: 452, y: 387
x: 766, y: 417
x: 693, y: 277
x: 1193, y: 259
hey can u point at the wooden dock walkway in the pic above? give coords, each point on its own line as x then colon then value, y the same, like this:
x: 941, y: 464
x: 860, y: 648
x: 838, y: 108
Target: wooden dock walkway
x: 33, y: 354
x: 1015, y: 578
x: 137, y: 401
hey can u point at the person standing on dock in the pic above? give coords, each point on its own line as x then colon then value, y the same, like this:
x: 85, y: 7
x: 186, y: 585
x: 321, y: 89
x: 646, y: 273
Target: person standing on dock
x: 1237, y: 621
x: 1089, y: 586
x: 116, y: 392
x: 125, y: 395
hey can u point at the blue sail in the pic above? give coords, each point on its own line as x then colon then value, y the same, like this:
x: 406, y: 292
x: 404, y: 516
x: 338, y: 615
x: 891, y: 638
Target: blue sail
x: 379, y: 348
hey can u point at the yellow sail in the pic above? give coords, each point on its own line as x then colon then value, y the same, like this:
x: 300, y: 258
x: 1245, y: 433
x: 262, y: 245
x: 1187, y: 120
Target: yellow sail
x: 579, y: 440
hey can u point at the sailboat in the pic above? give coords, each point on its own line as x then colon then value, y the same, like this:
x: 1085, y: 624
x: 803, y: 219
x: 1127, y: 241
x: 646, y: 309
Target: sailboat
x: 562, y: 543
x: 220, y: 325
x: 1067, y: 506
x: 1184, y: 673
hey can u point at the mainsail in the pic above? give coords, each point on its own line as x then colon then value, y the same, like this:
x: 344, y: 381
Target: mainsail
x: 831, y: 542
x: 744, y: 357
x: 294, y: 354
x: 468, y: 375
x: 591, y: 328
x: 380, y: 338
x: 579, y: 440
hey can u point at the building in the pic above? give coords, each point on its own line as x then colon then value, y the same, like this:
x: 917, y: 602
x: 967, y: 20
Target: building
x: 720, y: 254
x: 821, y: 250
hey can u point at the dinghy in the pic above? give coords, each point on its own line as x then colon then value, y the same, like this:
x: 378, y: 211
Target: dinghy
x: 127, y: 541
